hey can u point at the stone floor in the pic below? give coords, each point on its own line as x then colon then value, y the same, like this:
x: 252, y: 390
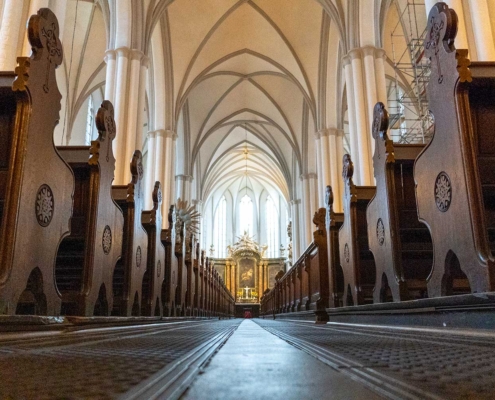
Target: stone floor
x: 254, y: 364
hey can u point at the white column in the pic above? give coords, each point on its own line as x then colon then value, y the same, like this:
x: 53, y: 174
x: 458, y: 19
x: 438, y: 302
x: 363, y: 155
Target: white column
x: 429, y: 5
x: 306, y: 214
x: 365, y: 167
x: 483, y: 37
x: 296, y: 231
x: 166, y: 167
x: 381, y: 83
x: 339, y: 139
x: 371, y: 90
x: 110, y: 59
x: 319, y: 164
x: 121, y: 111
x: 335, y: 158
x: 313, y: 194
x: 150, y: 171
x: 351, y: 114
x: 461, y: 40
x: 33, y: 9
x: 9, y: 32
x: 132, y: 112
x: 326, y: 173
x: 145, y: 62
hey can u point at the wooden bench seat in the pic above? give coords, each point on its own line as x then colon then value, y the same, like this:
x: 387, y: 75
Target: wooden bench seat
x: 130, y: 269
x: 358, y: 264
x: 169, y: 287
x: 86, y: 259
x: 455, y: 173
x: 36, y: 185
x: 401, y: 245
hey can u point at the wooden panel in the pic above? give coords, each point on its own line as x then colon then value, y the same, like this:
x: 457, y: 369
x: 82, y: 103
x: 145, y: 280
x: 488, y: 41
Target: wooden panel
x: 169, y: 287
x: 355, y: 258
x: 38, y: 203
x: 449, y: 198
x: 130, y: 269
x: 394, y: 231
x: 152, y: 302
x: 101, y: 247
x: 333, y: 223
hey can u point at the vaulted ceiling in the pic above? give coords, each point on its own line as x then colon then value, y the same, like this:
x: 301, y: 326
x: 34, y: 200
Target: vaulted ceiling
x: 248, y: 72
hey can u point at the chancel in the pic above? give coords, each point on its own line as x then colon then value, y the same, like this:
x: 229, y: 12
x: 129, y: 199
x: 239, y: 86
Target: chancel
x: 247, y: 199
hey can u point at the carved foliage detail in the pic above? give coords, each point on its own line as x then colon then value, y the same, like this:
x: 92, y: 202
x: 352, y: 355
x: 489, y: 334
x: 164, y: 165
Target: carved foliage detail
x: 347, y: 253
x: 380, y: 232
x: 138, y: 256
x: 106, y: 240
x: 443, y: 192
x: 44, y: 206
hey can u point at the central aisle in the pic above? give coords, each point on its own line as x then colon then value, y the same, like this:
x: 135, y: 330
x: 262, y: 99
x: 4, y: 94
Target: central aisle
x: 254, y: 364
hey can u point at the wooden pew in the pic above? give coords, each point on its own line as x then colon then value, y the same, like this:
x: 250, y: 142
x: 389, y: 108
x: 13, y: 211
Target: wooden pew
x: 333, y: 223
x: 130, y: 269
x: 189, y: 265
x: 169, y: 287
x: 200, y: 254
x: 400, y: 244
x: 180, y: 253
x: 36, y: 185
x: 454, y: 175
x: 86, y: 259
x: 152, y: 302
x: 356, y: 259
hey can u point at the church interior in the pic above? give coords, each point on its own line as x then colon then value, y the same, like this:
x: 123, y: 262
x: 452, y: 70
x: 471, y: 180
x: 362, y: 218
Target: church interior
x: 247, y: 199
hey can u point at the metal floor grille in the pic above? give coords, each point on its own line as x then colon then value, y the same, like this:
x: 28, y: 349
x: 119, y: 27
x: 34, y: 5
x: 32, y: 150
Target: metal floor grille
x: 97, y: 366
x: 449, y: 365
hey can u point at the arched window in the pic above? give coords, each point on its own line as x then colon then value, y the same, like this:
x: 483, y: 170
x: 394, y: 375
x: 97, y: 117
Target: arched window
x: 246, y: 215
x: 272, y: 227
x: 220, y: 228
x: 90, y: 121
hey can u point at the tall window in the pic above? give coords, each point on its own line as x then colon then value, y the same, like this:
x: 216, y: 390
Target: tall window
x: 246, y: 215
x: 220, y: 228
x: 271, y: 227
x: 90, y: 121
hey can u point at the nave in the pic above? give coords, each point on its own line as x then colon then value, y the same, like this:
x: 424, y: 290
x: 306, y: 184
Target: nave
x: 245, y: 359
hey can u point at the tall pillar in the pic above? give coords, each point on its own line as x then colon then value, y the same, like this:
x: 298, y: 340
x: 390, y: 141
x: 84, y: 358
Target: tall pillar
x: 306, y: 212
x: 145, y: 63
x: 334, y: 160
x: 381, y: 82
x: 227, y: 274
x: 326, y: 169
x: 339, y: 138
x: 482, y: 29
x: 371, y: 89
x: 233, y: 279
x: 9, y: 32
x: 296, y: 228
x: 313, y: 194
x: 363, y: 130
x: 267, y: 276
x: 183, y: 185
x: 110, y: 59
x: 320, y: 162
x: 164, y: 166
x: 150, y: 171
x: 351, y: 115
x: 132, y: 112
x: 121, y: 111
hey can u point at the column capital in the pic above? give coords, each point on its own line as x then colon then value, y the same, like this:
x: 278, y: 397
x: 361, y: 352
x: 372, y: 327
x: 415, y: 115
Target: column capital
x: 346, y: 60
x: 181, y: 177
x: 380, y: 53
x: 136, y: 54
x: 355, y: 54
x: 123, y: 52
x: 145, y: 61
x: 368, y: 50
x: 151, y: 134
x: 166, y: 133
x: 110, y: 55
x: 303, y: 177
x: 295, y: 202
x: 312, y: 175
